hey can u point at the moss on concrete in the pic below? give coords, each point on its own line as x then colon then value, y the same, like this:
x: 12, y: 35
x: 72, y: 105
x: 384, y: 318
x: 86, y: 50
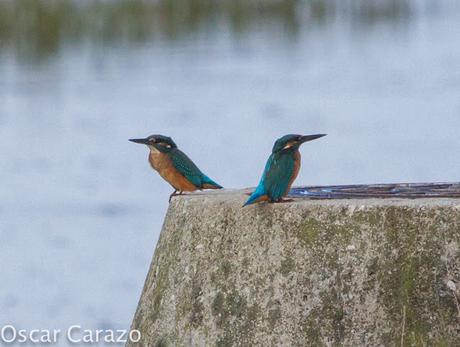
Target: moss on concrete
x: 307, y: 273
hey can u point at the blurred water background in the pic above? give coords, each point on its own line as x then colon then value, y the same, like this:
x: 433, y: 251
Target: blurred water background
x: 80, y: 208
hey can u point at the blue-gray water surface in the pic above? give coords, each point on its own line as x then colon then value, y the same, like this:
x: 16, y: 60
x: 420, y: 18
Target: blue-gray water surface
x: 80, y: 208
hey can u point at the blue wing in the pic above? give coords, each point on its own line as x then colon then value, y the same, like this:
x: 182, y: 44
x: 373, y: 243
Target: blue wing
x: 260, y: 190
x: 209, y: 183
x: 275, y: 179
x: 187, y: 167
x: 279, y: 175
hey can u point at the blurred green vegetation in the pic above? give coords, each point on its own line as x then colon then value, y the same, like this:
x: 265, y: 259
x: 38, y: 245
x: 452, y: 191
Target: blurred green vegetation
x: 34, y: 29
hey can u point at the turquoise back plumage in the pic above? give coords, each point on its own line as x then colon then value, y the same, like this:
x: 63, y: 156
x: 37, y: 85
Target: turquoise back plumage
x: 277, y: 174
x: 187, y: 167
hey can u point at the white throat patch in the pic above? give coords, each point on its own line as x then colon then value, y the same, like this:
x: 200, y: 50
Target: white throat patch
x: 153, y: 149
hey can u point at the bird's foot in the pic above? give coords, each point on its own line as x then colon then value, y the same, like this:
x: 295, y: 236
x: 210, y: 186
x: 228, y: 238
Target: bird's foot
x: 174, y: 193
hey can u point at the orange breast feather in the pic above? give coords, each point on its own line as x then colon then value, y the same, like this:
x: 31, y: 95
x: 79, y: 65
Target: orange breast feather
x: 161, y: 163
x: 296, y: 170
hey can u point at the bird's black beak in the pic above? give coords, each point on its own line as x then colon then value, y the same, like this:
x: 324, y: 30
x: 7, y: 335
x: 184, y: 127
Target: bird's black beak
x: 307, y: 138
x: 142, y: 141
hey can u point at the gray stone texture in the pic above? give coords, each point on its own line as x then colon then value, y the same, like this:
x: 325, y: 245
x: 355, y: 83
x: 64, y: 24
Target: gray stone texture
x: 304, y: 273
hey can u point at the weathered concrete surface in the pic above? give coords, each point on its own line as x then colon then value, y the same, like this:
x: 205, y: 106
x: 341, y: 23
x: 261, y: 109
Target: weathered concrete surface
x: 305, y: 273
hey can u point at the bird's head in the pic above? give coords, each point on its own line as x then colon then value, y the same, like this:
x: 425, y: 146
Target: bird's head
x: 157, y: 143
x: 292, y: 142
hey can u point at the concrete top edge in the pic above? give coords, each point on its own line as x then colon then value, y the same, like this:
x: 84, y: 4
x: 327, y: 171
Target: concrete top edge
x: 239, y: 196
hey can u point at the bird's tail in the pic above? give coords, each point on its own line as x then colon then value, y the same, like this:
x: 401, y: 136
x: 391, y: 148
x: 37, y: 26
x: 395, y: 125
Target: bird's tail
x: 256, y: 195
x: 208, y: 183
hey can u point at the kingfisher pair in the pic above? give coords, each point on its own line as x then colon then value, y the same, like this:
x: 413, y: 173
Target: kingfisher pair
x: 183, y: 175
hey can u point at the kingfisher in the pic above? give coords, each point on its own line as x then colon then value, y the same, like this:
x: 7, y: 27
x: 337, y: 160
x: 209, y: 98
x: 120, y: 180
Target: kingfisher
x: 174, y: 166
x: 281, y: 169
